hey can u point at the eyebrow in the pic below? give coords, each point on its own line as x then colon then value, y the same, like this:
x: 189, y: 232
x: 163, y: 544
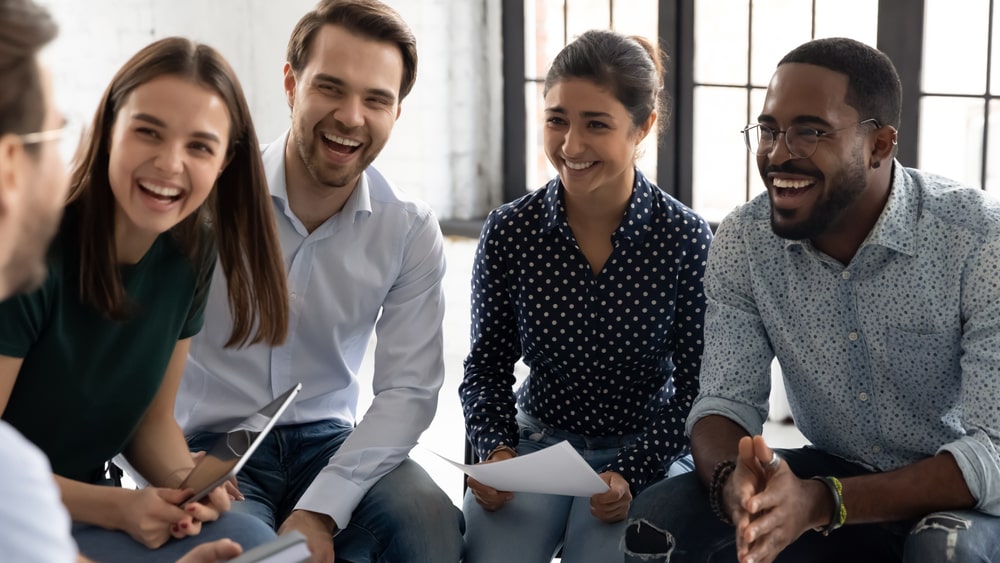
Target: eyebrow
x: 383, y: 92
x: 561, y: 110
x: 798, y: 120
x: 153, y: 120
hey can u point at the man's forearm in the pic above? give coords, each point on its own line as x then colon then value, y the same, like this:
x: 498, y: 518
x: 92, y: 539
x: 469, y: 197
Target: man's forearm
x: 930, y: 485
x: 714, y: 438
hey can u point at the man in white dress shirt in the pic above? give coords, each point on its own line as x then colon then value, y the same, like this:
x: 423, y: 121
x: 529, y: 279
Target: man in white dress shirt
x: 361, y: 258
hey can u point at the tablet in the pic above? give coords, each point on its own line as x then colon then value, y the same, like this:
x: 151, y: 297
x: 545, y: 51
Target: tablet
x: 232, y: 450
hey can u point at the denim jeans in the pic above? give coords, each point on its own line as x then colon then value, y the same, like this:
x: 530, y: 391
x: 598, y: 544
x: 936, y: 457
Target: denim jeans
x: 532, y: 527
x: 672, y: 521
x: 405, y: 517
x: 108, y: 546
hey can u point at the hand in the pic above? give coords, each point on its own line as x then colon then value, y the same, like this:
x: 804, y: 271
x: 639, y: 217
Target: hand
x: 232, y: 486
x: 781, y: 511
x: 151, y: 515
x: 487, y: 497
x: 212, y: 552
x: 318, y: 530
x: 612, y: 505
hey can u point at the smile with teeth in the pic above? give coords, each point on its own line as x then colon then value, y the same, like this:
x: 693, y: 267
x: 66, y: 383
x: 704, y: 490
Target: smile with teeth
x: 350, y: 144
x: 159, y: 191
x: 579, y: 165
x: 787, y: 183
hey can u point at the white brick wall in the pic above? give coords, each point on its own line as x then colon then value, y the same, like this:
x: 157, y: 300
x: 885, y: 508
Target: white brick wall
x: 446, y: 147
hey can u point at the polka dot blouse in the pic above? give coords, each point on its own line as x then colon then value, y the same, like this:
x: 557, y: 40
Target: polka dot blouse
x: 609, y: 354
x: 887, y: 360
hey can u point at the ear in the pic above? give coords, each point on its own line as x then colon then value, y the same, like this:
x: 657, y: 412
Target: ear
x: 884, y: 147
x: 13, y: 170
x: 645, y: 128
x: 399, y: 110
x: 290, y: 84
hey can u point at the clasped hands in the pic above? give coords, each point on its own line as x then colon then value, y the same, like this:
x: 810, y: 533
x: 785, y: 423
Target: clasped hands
x: 609, y: 506
x: 768, y: 504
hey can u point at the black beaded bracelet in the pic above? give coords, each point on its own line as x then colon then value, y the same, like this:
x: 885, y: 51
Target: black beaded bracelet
x: 839, y: 516
x: 719, y: 477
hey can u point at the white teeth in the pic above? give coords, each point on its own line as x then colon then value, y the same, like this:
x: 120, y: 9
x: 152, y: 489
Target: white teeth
x: 579, y: 165
x: 787, y: 183
x: 341, y: 140
x: 163, y: 191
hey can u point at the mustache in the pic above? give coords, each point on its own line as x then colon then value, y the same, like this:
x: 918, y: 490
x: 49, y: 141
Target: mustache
x: 788, y: 167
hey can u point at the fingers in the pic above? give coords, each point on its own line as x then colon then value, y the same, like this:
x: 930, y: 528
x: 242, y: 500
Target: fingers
x: 488, y: 497
x: 233, y: 489
x: 219, y: 550
x: 767, y: 457
x: 612, y: 505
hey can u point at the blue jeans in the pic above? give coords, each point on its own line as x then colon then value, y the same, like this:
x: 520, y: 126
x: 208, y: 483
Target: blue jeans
x: 404, y: 517
x: 532, y: 527
x: 672, y: 521
x: 108, y: 546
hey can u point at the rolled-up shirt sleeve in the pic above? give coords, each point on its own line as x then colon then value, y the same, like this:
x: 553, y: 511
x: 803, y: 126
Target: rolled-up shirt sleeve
x: 976, y: 453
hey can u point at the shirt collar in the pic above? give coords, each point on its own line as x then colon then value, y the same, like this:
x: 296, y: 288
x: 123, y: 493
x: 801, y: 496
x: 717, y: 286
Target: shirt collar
x: 896, y: 225
x: 273, y: 156
x: 634, y: 223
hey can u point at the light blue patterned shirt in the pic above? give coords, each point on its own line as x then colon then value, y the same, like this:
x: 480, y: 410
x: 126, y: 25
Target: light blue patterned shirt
x: 889, y: 360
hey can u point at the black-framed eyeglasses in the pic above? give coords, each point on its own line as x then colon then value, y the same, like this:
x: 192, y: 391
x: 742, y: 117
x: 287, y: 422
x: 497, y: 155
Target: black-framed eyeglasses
x: 801, y: 140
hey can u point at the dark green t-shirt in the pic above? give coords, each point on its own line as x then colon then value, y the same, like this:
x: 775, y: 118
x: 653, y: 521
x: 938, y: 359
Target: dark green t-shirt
x: 86, y: 381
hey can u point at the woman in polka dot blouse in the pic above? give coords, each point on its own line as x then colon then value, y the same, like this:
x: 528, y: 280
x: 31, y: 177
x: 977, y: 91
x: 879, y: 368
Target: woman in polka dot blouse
x: 595, y: 280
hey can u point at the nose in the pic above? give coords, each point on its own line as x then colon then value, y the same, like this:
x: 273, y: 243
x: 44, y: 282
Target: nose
x: 350, y: 113
x: 573, y: 143
x: 170, y: 158
x: 779, y: 149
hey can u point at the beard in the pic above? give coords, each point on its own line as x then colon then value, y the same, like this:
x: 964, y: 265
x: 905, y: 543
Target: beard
x: 27, y: 270
x: 843, y: 189
x: 309, y: 145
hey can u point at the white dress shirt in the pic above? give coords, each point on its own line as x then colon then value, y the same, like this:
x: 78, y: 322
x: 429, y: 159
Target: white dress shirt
x: 377, y: 265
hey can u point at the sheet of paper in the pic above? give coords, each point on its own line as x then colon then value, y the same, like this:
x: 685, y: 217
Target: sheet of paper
x: 556, y: 470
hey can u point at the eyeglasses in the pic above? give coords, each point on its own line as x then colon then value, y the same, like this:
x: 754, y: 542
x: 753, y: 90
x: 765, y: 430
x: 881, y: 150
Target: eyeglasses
x: 68, y: 136
x: 801, y: 140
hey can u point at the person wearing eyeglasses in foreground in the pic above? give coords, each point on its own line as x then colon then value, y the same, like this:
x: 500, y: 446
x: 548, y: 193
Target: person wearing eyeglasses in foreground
x: 876, y: 286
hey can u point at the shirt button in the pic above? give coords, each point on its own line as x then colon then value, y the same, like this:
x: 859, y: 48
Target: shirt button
x: 293, y: 296
x: 876, y: 449
x: 863, y: 396
x: 845, y: 274
x: 852, y: 336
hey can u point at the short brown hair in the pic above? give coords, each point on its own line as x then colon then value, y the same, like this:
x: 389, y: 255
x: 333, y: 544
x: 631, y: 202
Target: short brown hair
x: 25, y: 28
x: 369, y: 18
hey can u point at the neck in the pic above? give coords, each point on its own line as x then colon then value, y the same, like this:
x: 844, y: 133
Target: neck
x: 131, y: 244
x: 602, y: 206
x: 312, y: 202
x: 845, y: 236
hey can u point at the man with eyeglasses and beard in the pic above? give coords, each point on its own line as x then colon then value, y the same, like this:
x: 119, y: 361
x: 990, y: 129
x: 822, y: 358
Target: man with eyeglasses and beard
x: 877, y: 287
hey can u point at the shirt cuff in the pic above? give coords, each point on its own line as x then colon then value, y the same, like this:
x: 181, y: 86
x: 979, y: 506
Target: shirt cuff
x: 333, y: 495
x: 751, y: 418
x: 978, y: 463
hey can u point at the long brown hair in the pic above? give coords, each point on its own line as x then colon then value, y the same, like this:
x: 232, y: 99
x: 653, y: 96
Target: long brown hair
x: 238, y: 215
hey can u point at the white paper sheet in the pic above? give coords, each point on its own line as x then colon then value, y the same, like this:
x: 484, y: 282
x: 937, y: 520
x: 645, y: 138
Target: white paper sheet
x: 556, y: 470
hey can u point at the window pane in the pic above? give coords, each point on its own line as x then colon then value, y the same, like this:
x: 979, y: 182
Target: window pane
x: 992, y: 183
x: 537, y: 169
x: 778, y: 27
x: 754, y: 184
x: 719, y: 174
x: 857, y: 19
x: 955, y: 37
x: 951, y: 138
x: 543, y: 36
x: 995, y: 64
x: 582, y: 15
x: 637, y: 17
x: 720, y: 33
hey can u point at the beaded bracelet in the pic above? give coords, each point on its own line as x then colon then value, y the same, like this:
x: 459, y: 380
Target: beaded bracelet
x: 839, y: 516
x: 719, y: 477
